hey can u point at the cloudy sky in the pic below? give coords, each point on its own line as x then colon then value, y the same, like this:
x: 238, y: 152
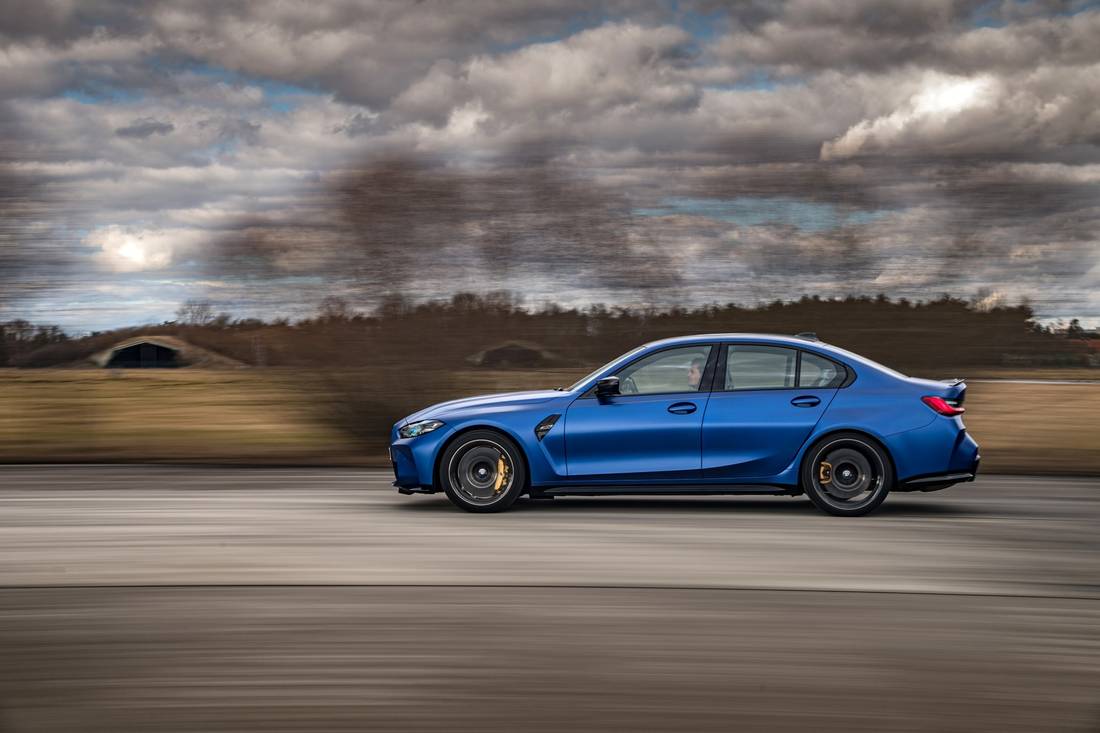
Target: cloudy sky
x: 262, y: 155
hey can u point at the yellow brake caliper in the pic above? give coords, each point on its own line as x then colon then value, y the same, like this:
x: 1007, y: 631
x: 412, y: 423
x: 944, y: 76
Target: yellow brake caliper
x: 500, y: 475
x: 825, y: 472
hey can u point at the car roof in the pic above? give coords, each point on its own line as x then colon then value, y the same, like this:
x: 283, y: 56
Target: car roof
x: 801, y: 342
x: 769, y: 338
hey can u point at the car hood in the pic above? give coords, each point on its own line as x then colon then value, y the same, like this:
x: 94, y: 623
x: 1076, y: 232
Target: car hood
x: 504, y: 400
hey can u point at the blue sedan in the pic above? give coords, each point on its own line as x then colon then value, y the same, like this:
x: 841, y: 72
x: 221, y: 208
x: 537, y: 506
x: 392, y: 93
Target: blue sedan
x: 709, y: 414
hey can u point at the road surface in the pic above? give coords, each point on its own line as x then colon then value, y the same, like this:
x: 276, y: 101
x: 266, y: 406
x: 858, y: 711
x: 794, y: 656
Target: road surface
x: 194, y: 599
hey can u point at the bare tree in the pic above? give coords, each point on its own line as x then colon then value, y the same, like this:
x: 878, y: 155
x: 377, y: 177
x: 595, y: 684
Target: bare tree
x: 334, y: 308
x: 195, y: 313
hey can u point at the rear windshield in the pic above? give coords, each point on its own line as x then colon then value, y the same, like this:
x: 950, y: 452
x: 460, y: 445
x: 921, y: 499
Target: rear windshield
x: 869, y: 362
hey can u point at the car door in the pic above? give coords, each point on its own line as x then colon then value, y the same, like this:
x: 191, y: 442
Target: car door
x: 650, y: 431
x: 765, y: 403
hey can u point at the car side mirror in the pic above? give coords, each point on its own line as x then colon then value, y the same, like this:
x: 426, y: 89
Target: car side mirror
x: 607, y: 387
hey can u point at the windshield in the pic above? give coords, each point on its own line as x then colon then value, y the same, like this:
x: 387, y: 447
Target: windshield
x: 580, y: 382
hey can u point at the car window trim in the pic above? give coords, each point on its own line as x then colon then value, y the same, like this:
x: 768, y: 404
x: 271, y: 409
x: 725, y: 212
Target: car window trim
x: 705, y: 383
x: 720, y: 370
x: 725, y: 362
x: 848, y: 374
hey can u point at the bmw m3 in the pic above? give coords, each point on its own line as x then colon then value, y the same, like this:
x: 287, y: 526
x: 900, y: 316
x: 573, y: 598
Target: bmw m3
x: 707, y: 414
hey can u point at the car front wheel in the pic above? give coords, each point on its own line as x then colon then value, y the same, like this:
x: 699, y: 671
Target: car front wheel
x: 847, y: 475
x: 482, y: 471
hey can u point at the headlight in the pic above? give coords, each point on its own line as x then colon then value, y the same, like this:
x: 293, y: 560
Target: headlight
x: 419, y: 427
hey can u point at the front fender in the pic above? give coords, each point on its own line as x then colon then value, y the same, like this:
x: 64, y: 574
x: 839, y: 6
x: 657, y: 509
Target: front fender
x: 545, y: 459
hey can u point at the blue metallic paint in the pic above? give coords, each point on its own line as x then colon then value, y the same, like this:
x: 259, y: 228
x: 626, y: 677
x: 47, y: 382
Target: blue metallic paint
x: 740, y: 437
x: 634, y: 435
x: 757, y: 433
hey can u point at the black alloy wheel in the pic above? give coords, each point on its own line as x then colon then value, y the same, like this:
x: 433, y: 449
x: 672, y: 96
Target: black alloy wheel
x: 847, y: 475
x: 482, y: 471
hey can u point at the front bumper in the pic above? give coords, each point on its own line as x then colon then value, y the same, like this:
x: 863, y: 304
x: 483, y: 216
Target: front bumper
x: 407, y: 491
x: 406, y: 477
x: 413, y: 459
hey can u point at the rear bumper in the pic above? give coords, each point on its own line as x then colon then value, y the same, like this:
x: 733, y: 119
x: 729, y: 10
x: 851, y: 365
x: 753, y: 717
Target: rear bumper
x: 942, y: 448
x: 935, y: 482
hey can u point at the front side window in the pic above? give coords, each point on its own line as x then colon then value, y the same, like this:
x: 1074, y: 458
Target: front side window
x: 817, y: 371
x: 579, y: 383
x: 669, y: 371
x: 749, y: 366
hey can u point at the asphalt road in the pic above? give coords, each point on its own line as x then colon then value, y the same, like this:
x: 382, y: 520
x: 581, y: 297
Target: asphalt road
x: 193, y: 599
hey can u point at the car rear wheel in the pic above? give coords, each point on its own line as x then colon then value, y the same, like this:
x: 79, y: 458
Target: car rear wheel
x: 482, y: 471
x: 847, y: 475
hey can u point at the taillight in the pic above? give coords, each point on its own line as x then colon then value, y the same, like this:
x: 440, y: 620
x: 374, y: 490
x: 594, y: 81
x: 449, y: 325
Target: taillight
x: 950, y: 408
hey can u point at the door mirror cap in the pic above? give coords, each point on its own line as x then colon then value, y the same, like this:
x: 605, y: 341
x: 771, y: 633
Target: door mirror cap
x: 607, y: 387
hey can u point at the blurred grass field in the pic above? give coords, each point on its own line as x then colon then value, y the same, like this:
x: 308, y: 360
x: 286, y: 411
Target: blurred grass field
x: 288, y: 416
x: 279, y: 416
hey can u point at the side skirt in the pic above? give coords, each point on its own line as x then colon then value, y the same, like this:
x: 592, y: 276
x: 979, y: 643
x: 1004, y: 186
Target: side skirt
x: 687, y: 490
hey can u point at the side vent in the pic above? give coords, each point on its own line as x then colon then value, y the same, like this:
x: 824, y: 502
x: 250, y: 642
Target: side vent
x: 544, y: 427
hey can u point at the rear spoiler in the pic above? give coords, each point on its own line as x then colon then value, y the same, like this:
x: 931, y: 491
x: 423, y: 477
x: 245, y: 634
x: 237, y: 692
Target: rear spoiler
x: 953, y: 382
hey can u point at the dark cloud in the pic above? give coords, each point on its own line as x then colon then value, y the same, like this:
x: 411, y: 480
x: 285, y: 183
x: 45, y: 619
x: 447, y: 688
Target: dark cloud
x: 402, y: 221
x: 26, y: 252
x: 366, y: 51
x: 34, y: 256
x: 865, y: 36
x: 144, y: 127
x: 233, y: 128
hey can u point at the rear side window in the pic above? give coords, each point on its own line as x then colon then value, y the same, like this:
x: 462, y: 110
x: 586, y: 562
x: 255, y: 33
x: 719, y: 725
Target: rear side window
x: 817, y: 371
x: 759, y: 367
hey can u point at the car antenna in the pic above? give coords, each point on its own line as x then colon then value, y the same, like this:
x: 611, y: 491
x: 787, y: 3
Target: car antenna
x: 810, y: 335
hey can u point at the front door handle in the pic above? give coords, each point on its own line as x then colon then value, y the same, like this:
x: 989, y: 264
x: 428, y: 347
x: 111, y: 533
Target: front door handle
x: 682, y: 408
x: 806, y: 401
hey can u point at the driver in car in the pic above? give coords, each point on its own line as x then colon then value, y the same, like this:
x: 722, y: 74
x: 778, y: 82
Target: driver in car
x: 695, y: 372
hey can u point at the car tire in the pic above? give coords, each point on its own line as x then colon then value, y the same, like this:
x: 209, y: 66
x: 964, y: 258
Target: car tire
x: 471, y: 465
x: 847, y: 474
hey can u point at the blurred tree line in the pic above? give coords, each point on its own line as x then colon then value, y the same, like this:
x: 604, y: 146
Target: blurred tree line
x: 20, y: 338
x: 920, y: 336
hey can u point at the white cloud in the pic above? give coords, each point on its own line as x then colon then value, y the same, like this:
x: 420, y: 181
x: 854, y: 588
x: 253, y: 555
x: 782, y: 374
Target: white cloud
x: 125, y: 249
x: 1033, y: 111
x: 615, y: 68
x: 930, y: 116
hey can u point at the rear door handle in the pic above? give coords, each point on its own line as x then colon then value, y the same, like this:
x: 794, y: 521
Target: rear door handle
x: 806, y: 401
x: 682, y: 408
